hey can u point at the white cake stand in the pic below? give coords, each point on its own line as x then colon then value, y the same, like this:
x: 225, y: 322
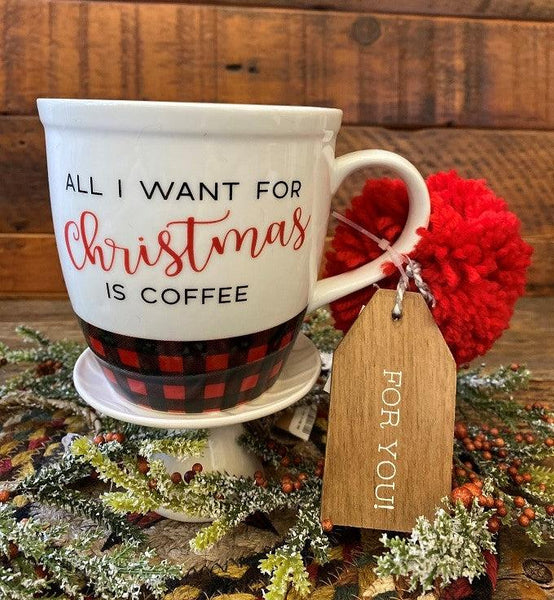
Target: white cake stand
x: 222, y: 452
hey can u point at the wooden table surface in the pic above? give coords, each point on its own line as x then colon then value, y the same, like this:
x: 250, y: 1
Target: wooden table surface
x: 524, y: 568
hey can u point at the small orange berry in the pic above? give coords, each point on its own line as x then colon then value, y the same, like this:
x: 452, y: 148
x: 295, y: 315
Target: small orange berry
x: 327, y: 525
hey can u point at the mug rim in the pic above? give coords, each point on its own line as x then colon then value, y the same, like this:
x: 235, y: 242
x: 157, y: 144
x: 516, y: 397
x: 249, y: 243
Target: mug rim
x: 187, y: 117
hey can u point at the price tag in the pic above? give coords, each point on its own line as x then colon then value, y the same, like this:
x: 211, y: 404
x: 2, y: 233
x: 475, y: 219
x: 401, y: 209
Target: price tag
x: 391, y: 419
x: 299, y: 421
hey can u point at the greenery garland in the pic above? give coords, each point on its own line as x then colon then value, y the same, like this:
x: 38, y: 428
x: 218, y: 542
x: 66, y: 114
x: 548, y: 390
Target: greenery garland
x: 497, y: 481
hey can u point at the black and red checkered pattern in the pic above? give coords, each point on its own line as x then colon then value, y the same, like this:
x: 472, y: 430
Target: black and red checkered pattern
x: 167, y: 358
x: 213, y: 391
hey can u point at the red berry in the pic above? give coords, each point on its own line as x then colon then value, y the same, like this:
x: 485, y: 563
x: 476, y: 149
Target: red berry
x: 549, y: 442
x: 494, y: 524
x: 519, y: 501
x: 285, y: 461
x: 512, y: 471
x: 4, y: 496
x: 327, y: 525
x: 523, y: 520
x: 13, y: 550
x: 530, y: 439
x: 501, y: 511
x: 502, y: 453
x: 258, y: 475
x: 478, y: 444
x: 40, y: 572
x: 499, y: 442
x: 460, y: 431
x: 118, y: 437
x: 527, y: 477
x: 98, y: 439
x: 287, y: 487
x: 529, y: 513
x: 550, y: 510
x: 197, y: 468
x: 498, y: 502
x: 142, y: 465
x: 188, y: 476
x: 302, y: 476
x: 494, y: 431
x: 473, y: 488
x: 514, y: 366
x: 518, y: 479
x: 518, y: 438
x: 298, y: 485
x: 487, y: 455
x: 176, y: 477
x: 463, y: 495
x: 109, y: 436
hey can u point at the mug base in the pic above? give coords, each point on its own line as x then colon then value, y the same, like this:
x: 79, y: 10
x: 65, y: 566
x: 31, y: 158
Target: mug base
x: 296, y: 379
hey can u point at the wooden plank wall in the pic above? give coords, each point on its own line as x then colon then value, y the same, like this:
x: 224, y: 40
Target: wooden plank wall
x: 468, y: 85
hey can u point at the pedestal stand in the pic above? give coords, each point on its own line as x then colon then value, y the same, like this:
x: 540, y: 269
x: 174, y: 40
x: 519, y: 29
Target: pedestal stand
x: 222, y: 452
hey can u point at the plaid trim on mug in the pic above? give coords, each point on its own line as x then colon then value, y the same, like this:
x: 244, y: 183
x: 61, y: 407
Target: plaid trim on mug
x: 159, y: 357
x: 207, y: 392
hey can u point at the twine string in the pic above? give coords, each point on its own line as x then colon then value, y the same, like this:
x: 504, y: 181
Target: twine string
x: 412, y: 270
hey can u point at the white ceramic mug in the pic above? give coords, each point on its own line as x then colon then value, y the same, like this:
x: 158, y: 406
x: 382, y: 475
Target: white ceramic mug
x: 184, y: 222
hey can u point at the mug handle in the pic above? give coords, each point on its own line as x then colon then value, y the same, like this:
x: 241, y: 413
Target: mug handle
x: 331, y: 288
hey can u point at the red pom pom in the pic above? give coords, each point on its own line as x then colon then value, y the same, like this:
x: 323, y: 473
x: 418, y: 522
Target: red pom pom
x: 472, y: 257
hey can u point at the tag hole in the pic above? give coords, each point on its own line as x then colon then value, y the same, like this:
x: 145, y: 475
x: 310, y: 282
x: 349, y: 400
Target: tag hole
x: 396, y: 316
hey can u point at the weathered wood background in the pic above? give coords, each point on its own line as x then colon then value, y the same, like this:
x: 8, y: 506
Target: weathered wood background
x: 447, y: 83
x: 467, y: 85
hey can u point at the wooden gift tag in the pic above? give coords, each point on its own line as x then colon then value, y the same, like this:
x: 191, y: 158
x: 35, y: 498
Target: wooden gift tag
x: 391, y: 419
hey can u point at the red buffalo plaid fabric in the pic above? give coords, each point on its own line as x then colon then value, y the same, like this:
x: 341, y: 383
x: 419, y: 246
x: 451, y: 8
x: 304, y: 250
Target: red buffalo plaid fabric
x: 205, y: 392
x: 168, y: 358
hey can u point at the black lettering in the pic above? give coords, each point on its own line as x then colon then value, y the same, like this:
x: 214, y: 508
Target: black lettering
x: 79, y: 186
x: 69, y: 183
x: 118, y: 292
x: 92, y: 188
x: 119, y: 187
x: 230, y: 184
x: 149, y: 194
x: 177, y: 296
x: 189, y: 295
x: 205, y: 295
x: 144, y: 297
x: 275, y: 189
x: 260, y: 190
x: 240, y: 296
x: 185, y: 191
x: 204, y: 187
x: 222, y: 295
x: 295, y: 188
